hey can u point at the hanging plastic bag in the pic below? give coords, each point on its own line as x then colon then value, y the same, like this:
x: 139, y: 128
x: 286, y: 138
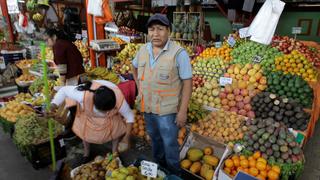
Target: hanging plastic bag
x: 107, y: 14
x: 264, y: 24
x: 95, y: 7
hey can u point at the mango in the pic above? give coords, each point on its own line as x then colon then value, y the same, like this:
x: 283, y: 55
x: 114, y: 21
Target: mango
x: 194, y: 154
x: 204, y: 169
x: 209, y: 174
x: 195, y: 167
x: 186, y: 163
x: 208, y: 150
x: 211, y: 160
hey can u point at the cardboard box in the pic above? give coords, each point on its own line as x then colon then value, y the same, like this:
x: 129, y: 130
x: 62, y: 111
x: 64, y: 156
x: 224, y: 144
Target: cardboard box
x: 196, y: 140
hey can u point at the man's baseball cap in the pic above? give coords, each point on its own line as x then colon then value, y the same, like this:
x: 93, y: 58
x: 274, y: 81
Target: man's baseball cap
x: 160, y: 18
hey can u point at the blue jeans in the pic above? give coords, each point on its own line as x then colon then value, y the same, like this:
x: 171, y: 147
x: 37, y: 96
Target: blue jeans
x: 163, y: 132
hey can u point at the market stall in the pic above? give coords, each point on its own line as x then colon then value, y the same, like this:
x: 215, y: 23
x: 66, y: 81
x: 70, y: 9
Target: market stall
x: 253, y: 106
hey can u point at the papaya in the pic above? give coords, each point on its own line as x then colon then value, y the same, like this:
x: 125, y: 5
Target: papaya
x: 186, y: 163
x: 211, y: 160
x: 195, y: 167
x: 204, y: 168
x: 194, y: 154
x: 209, y: 174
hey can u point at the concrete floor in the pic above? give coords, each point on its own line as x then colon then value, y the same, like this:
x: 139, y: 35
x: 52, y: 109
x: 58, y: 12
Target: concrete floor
x: 14, y: 167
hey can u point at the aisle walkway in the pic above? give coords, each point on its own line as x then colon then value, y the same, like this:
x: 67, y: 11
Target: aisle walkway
x: 14, y: 167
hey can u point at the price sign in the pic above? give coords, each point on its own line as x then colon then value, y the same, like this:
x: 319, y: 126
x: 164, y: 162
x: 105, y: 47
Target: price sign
x: 257, y: 59
x: 78, y: 36
x: 217, y: 44
x: 231, y: 41
x: 296, y: 30
x: 84, y: 34
x: 13, y: 7
x: 149, y: 169
x: 224, y: 81
x: 243, y: 32
x: 2, y: 63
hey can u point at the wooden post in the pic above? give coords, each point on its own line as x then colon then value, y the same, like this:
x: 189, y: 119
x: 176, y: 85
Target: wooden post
x: 4, y: 9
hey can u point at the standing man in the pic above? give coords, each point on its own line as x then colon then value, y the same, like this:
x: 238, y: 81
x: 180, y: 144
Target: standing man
x: 163, y: 73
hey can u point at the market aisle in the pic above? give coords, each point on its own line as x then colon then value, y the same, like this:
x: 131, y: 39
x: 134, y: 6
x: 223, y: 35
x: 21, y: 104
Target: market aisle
x: 312, y: 155
x: 13, y: 166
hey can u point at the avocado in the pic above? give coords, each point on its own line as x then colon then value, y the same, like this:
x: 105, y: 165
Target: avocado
x: 280, y: 142
x: 284, y: 156
x: 261, y: 131
x: 272, y: 139
x: 265, y: 136
x: 267, y: 144
x: 269, y: 152
x: 275, y: 108
x: 289, y: 113
x: 275, y: 147
x: 261, y: 141
x: 271, y: 114
x: 256, y: 146
x: 280, y: 161
x: 276, y: 154
x: 262, y: 149
x: 284, y: 149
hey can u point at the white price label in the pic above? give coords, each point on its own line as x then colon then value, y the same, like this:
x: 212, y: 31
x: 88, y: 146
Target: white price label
x: 296, y: 30
x: 2, y: 63
x: 217, y: 44
x: 149, y: 169
x: 257, y: 59
x: 13, y: 7
x: 78, y: 36
x: 243, y: 32
x: 61, y: 141
x: 231, y: 41
x: 224, y: 81
x: 84, y: 33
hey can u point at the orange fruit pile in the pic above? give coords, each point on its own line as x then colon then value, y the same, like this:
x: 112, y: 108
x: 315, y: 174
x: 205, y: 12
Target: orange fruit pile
x: 296, y: 63
x: 254, y: 165
x: 223, y: 52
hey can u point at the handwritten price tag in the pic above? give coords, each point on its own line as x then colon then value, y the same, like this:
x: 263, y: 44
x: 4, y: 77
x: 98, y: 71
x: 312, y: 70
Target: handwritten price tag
x: 149, y: 169
x: 217, y: 44
x: 257, y: 59
x: 296, y: 30
x: 224, y: 81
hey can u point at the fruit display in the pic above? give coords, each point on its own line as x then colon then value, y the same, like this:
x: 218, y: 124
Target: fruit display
x: 202, y: 162
x: 37, y: 17
x: 223, y: 52
x: 197, y: 81
x: 118, y: 40
x: 37, y: 86
x: 31, y: 129
x: 187, y: 47
x: 23, y: 97
x: 236, y: 98
x: 246, y: 52
x: 273, y: 140
x: 97, y: 169
x: 296, y: 63
x: 287, y: 45
x: 26, y: 78
x: 290, y: 86
x: 254, y: 165
x: 267, y: 105
x: 129, y: 52
x: 139, y: 128
x: 127, y: 31
x: 122, y: 67
x: 208, y: 95
x: 196, y: 111
x: 104, y: 74
x: 13, y: 109
x: 222, y: 126
x: 25, y: 63
x: 183, y: 30
x: 130, y: 173
x: 209, y: 67
x: 83, y: 48
x: 248, y: 75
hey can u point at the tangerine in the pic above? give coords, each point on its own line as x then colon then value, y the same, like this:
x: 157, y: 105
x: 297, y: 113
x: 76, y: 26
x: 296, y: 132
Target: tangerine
x: 253, y: 171
x: 261, y: 166
x: 244, y: 163
x: 272, y: 175
x: 228, y: 163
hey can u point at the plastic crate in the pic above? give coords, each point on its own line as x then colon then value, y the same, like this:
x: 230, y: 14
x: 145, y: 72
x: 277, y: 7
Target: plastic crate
x: 40, y: 155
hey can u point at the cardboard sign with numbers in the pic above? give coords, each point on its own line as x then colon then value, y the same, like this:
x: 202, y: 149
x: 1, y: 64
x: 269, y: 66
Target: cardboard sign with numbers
x: 257, y: 59
x: 149, y: 169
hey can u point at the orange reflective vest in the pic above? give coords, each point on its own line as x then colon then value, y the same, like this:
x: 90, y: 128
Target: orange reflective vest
x: 95, y: 129
x: 159, y: 87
